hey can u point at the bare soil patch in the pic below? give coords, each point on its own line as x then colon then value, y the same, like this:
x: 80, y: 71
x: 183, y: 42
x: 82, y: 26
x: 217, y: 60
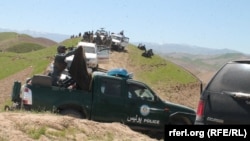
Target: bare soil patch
x: 24, y: 126
x: 7, y: 83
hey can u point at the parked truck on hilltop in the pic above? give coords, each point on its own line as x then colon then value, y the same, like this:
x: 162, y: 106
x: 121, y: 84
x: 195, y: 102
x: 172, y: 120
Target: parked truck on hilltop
x: 112, y: 96
x: 119, y: 42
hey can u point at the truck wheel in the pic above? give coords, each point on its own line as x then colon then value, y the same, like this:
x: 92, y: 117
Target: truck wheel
x: 72, y: 113
x: 6, y: 108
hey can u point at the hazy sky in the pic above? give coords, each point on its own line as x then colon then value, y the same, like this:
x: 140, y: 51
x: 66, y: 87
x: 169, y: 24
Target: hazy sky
x: 206, y: 23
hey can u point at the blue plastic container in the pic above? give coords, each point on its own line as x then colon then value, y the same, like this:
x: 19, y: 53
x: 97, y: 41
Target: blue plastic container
x: 119, y: 72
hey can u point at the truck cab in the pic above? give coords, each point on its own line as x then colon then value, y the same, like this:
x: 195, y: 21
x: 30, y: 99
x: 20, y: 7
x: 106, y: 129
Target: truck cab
x: 121, y: 99
x: 119, y: 42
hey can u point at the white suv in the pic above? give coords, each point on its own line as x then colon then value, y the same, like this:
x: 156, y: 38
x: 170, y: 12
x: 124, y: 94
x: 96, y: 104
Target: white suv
x: 90, y: 50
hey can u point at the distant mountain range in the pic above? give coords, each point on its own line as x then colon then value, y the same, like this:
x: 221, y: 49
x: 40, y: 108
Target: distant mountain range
x: 187, y: 49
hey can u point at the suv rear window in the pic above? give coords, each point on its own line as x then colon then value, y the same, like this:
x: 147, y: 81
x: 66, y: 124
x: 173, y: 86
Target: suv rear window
x: 232, y: 77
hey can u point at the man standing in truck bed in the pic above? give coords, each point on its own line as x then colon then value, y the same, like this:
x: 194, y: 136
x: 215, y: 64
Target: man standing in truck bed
x: 77, y: 70
x: 59, y: 63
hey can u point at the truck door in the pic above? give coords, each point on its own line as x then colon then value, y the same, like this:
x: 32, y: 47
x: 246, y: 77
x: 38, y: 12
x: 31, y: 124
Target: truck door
x: 108, y: 103
x: 103, y: 54
x: 125, y: 41
x: 143, y: 108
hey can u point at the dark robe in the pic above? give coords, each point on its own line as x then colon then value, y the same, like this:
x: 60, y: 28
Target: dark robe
x: 79, y: 70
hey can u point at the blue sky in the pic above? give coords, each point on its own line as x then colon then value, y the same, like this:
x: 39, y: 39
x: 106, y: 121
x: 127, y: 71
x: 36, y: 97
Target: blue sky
x: 206, y: 23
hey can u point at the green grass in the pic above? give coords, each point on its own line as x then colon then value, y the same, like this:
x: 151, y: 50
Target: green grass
x: 7, y: 35
x: 12, y: 63
x: 157, y: 70
x: 152, y: 71
x: 57, y: 133
x: 71, y: 42
x: 36, y: 133
x: 25, y: 47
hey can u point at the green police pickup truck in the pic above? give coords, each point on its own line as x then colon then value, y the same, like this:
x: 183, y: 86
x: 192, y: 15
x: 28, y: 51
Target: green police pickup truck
x: 111, y: 96
x: 110, y: 99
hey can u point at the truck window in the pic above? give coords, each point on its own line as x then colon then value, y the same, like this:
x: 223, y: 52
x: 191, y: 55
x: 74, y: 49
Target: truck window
x: 131, y: 91
x: 89, y: 49
x: 111, y: 87
x: 233, y: 77
x: 139, y: 92
x: 125, y: 39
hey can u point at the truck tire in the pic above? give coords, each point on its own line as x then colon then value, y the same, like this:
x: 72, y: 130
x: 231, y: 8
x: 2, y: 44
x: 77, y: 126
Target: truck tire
x: 6, y: 108
x: 71, y: 113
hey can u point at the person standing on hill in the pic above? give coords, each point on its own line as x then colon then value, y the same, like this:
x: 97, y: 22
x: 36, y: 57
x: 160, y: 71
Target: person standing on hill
x: 59, y: 63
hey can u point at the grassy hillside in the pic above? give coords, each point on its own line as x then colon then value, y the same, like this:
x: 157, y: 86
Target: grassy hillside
x: 20, y: 43
x: 203, y: 62
x: 157, y: 71
x: 7, y: 35
x: 153, y: 71
x: 24, y: 47
x: 39, y: 60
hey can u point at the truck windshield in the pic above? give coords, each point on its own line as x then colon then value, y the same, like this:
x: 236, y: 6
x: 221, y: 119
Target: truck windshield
x: 232, y: 77
x: 101, y: 32
x: 111, y: 87
x: 116, y: 37
x: 89, y: 49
